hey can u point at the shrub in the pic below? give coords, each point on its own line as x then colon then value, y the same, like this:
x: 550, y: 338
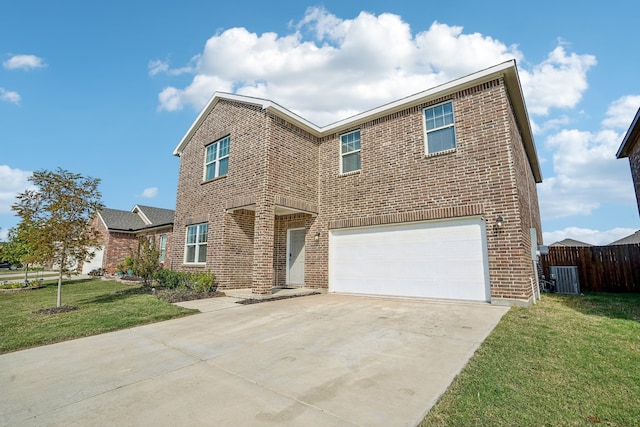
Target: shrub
x: 199, y: 282
x: 202, y: 282
x: 147, y: 261
x: 168, y: 279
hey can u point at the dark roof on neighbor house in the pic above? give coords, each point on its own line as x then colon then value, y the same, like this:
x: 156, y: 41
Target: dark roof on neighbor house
x: 570, y: 242
x: 631, y: 137
x: 140, y: 218
x: 629, y: 240
x: 156, y: 216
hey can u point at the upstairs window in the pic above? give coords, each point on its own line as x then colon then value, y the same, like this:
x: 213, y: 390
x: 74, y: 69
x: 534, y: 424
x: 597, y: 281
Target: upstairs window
x: 216, y: 162
x: 350, y: 152
x: 196, y: 244
x: 440, y: 128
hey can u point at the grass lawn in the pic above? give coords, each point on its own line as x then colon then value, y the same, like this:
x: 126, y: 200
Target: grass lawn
x: 567, y: 361
x: 103, y: 306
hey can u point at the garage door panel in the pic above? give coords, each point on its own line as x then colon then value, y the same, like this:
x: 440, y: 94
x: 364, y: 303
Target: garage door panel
x: 437, y: 259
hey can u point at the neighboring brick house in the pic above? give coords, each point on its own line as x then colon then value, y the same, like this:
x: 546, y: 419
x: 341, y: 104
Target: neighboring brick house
x: 433, y: 195
x: 630, y: 148
x: 121, y: 231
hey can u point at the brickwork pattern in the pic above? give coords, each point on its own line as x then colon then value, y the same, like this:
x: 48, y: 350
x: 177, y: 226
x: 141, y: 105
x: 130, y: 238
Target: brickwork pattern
x: 117, y: 245
x: 634, y: 162
x: 398, y: 181
x: 272, y: 162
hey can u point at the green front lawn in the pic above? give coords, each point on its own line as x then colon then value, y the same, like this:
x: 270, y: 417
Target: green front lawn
x: 103, y: 306
x: 567, y: 361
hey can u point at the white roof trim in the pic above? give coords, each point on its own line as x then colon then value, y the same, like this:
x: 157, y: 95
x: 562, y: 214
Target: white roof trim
x: 506, y: 69
x: 629, y: 137
x: 103, y: 221
x: 136, y: 209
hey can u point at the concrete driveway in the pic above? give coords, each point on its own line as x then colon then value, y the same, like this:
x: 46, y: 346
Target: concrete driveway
x: 320, y: 360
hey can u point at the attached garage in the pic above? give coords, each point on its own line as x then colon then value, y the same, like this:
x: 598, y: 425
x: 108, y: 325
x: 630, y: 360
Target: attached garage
x: 95, y: 263
x: 433, y: 259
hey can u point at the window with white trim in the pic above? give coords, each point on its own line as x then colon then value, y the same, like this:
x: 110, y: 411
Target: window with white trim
x: 440, y: 128
x: 196, y: 244
x: 216, y: 161
x: 163, y: 247
x: 350, y: 152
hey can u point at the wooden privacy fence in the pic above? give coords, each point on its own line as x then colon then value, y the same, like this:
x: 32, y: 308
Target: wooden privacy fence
x: 600, y: 268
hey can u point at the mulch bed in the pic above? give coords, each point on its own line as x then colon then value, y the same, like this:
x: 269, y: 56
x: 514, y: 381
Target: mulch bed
x: 28, y: 288
x: 172, y: 296
x: 256, y: 300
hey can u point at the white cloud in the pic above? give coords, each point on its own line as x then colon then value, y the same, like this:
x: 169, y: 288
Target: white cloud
x: 621, y: 112
x: 3, y: 234
x: 23, y: 62
x: 10, y: 96
x: 455, y: 54
x: 12, y: 182
x: 587, y: 174
x: 586, y: 235
x: 557, y: 82
x: 346, y: 67
x: 328, y: 68
x: 158, y: 66
x: 150, y: 193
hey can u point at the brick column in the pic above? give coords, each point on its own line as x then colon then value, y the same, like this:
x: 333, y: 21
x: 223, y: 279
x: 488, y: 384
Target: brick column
x: 263, y: 274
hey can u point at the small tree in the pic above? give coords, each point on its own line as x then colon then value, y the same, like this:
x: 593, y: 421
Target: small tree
x: 146, y: 261
x: 57, y: 215
x: 17, y: 250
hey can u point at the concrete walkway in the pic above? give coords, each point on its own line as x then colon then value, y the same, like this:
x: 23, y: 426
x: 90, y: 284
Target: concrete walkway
x: 319, y: 360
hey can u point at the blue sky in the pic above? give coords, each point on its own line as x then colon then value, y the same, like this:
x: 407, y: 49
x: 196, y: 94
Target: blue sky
x: 108, y: 89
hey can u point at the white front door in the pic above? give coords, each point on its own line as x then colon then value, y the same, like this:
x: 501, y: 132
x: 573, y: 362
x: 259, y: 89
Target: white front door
x: 295, y: 256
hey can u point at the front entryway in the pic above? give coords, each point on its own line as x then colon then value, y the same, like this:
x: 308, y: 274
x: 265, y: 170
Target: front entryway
x: 295, y: 256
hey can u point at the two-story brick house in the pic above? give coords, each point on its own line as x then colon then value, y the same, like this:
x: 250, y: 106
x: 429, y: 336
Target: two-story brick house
x: 433, y: 195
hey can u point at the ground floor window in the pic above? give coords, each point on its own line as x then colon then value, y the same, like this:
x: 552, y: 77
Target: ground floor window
x: 196, y: 244
x: 163, y: 247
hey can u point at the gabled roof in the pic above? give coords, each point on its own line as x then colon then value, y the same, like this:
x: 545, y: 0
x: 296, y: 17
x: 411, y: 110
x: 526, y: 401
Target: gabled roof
x: 570, y: 242
x: 630, y: 138
x: 155, y: 216
x: 629, y: 240
x: 140, y: 218
x: 506, y: 70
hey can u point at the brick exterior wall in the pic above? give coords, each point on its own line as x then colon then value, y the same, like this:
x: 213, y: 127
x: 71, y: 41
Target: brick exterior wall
x: 634, y: 162
x: 274, y: 163
x: 118, y: 245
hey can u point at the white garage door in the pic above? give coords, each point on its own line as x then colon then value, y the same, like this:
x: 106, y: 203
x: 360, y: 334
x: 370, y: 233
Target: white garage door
x: 95, y: 263
x: 434, y: 259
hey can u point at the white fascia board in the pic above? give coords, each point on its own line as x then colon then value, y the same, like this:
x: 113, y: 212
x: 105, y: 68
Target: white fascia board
x: 136, y: 209
x: 265, y: 104
x: 420, y: 97
x: 505, y: 69
x: 103, y: 221
x: 629, y: 137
